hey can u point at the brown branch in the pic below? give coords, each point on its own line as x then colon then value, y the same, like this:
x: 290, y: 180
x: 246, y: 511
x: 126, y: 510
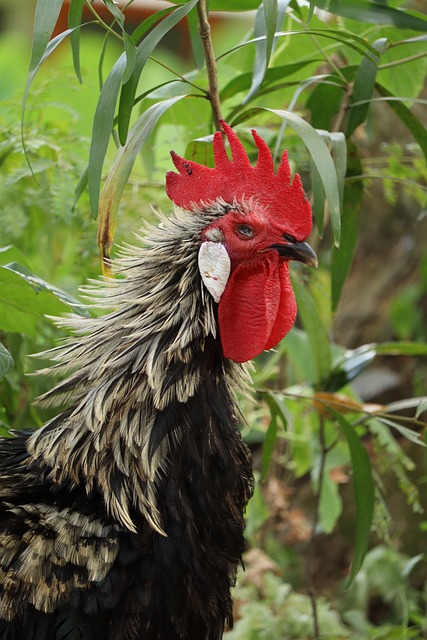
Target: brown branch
x: 205, y: 35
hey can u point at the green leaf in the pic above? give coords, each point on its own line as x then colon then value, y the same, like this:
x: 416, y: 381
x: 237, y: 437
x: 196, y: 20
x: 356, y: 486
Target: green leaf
x: 268, y: 20
x: 243, y: 81
x: 24, y: 299
x: 406, y: 116
x: 401, y: 348
x: 330, y: 506
x: 348, y: 39
x: 363, y: 88
x: 373, y: 12
x: 120, y: 171
x: 196, y: 43
x: 342, y: 257
x: 128, y: 42
x: 317, y: 334
x: 277, y: 413
x: 101, y: 130
x: 6, y: 361
x: 143, y: 52
x: 336, y: 142
x: 45, y: 19
x: 364, y: 493
x: 228, y: 5
x: 10, y: 253
x: 355, y: 361
x: 74, y: 20
x: 320, y: 155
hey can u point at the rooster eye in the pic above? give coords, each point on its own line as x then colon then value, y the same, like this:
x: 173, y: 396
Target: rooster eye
x: 245, y: 231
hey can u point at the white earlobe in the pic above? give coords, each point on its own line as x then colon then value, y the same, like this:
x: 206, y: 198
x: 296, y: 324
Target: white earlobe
x: 214, y: 267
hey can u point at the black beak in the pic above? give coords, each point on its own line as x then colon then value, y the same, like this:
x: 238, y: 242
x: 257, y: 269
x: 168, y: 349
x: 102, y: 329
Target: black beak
x: 300, y: 251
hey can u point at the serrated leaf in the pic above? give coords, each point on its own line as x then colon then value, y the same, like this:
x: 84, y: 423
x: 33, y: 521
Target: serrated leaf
x: 6, y: 361
x: 143, y: 52
x: 321, y: 157
x: 120, y: 171
x: 373, y: 12
x: 364, y: 494
x: 75, y: 13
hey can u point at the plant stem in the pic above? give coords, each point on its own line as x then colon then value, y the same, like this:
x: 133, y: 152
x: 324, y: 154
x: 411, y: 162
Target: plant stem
x: 101, y: 21
x: 310, y: 554
x: 178, y: 75
x: 205, y: 35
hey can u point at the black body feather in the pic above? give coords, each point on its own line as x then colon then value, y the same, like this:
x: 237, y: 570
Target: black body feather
x: 122, y: 518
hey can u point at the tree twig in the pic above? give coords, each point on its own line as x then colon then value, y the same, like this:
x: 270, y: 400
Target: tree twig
x: 205, y: 35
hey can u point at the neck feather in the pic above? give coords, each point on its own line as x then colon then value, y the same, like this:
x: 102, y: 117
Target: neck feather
x: 134, y: 373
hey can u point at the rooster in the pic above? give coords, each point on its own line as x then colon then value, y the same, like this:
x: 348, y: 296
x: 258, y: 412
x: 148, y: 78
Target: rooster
x: 122, y: 517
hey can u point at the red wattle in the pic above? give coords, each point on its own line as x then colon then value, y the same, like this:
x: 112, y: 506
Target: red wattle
x: 257, y: 308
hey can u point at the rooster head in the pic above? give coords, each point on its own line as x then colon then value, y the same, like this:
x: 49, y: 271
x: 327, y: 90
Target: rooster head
x: 245, y: 252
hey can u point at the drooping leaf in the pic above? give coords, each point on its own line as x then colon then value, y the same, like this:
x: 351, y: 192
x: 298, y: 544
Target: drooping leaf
x: 278, y: 413
x: 120, y: 171
x: 74, y: 20
x: 196, y: 43
x: 268, y: 20
x: 143, y: 52
x: 354, y: 362
x: 348, y: 39
x: 228, y: 5
x: 374, y: 12
x: 336, y: 142
x: 364, y: 493
x: 363, y: 88
x: 415, y: 126
x: 6, y: 361
x: 45, y: 19
x: 321, y: 157
x: 242, y: 81
x: 101, y: 130
x: 330, y: 507
x: 342, y: 257
x: 317, y: 334
x: 24, y: 299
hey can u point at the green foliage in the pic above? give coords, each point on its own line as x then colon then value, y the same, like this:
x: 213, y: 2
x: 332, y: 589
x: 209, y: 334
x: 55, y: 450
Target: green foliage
x: 310, y: 82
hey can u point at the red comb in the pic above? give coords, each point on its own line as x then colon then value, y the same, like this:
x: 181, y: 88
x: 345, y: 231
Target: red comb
x: 237, y: 178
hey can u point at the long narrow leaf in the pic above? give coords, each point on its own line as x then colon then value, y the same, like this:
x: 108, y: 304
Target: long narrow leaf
x: 321, y: 156
x: 268, y: 20
x: 120, y: 171
x: 317, y: 334
x: 143, y: 52
x: 373, y: 12
x: 364, y: 493
x: 74, y: 20
x: 243, y: 81
x: 414, y: 125
x: 346, y: 38
x: 342, y: 257
x: 45, y: 19
x: 101, y: 130
x: 196, y: 42
x: 363, y: 87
